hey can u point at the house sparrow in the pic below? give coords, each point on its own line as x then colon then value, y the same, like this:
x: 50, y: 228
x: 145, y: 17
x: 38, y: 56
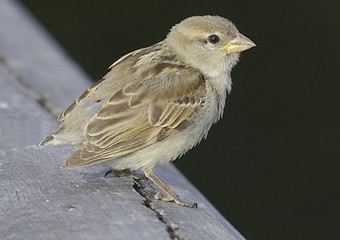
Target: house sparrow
x: 155, y: 103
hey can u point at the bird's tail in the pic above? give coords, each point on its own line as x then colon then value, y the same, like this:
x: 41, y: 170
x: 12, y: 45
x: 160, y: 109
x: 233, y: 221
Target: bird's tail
x: 47, y: 140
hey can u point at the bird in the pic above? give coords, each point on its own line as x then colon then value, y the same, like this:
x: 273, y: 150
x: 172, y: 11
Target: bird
x: 155, y: 103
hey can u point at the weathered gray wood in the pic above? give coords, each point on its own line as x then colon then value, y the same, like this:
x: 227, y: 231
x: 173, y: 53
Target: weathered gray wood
x: 39, y: 199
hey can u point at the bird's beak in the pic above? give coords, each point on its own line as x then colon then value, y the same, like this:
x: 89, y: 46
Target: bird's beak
x: 238, y: 44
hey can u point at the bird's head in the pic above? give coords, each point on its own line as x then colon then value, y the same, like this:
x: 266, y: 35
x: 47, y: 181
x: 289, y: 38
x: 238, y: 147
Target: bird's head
x: 209, y: 43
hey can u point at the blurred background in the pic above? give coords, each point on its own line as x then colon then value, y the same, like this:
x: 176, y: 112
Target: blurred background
x: 271, y: 166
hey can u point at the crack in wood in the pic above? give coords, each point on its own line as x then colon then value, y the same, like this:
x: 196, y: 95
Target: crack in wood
x: 43, y: 101
x: 16, y: 194
x: 147, y: 202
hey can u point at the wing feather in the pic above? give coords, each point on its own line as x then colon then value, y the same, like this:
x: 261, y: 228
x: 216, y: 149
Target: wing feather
x: 141, y: 113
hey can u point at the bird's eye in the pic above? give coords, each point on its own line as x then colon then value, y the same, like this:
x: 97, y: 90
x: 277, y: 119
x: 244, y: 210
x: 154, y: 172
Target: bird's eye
x: 213, y: 38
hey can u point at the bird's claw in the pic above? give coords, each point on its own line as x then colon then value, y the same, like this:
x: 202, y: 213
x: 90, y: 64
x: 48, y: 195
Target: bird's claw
x: 170, y: 198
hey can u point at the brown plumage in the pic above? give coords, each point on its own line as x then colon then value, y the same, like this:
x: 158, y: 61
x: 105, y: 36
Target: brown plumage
x: 155, y: 103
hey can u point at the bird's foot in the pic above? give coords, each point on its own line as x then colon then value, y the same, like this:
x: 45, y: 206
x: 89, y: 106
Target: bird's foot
x: 175, y: 199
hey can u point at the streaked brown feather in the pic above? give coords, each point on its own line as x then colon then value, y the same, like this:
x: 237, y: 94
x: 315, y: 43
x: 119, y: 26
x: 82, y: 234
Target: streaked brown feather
x: 142, y: 112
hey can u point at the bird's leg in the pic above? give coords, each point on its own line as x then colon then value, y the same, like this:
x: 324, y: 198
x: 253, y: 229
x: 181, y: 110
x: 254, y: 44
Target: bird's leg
x: 170, y: 195
x: 124, y: 173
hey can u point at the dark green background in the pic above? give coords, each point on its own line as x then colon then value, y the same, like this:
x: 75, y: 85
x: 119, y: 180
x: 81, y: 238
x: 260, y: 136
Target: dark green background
x: 272, y: 165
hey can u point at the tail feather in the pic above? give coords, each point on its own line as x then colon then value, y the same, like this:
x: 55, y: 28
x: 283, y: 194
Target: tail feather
x: 47, y: 140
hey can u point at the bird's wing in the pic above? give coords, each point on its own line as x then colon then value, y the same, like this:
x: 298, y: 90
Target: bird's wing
x: 140, y: 114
